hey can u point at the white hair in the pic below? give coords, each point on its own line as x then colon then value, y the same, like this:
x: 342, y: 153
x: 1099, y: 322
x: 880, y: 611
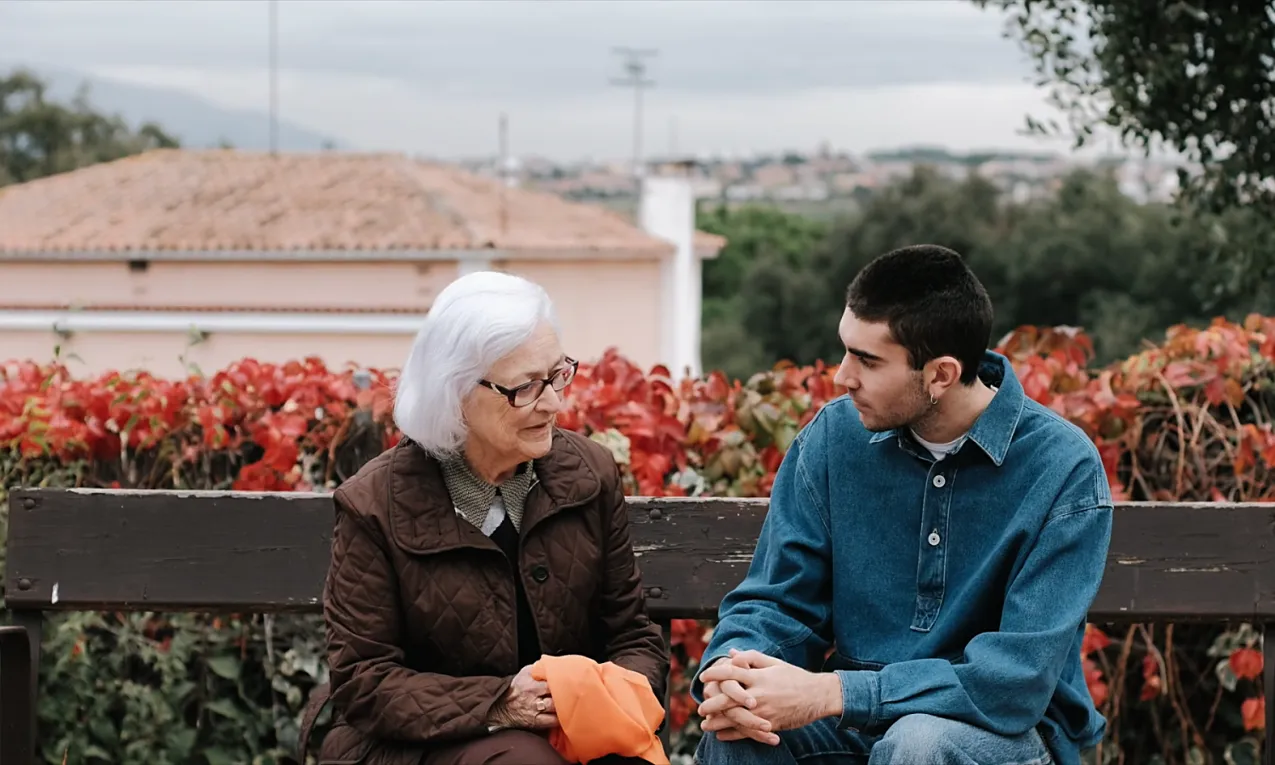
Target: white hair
x: 475, y: 321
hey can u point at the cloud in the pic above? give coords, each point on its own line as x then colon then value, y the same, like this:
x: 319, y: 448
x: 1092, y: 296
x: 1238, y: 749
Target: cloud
x: 433, y: 77
x: 387, y: 114
x: 527, y: 49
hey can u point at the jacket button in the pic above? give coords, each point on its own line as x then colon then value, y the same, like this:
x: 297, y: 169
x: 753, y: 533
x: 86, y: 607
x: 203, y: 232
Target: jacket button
x: 540, y: 573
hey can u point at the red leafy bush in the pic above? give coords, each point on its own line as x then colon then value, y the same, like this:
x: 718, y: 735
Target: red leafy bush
x: 1189, y: 419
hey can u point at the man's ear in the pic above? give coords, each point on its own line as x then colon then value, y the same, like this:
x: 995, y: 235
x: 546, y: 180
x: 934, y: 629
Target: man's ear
x: 945, y: 374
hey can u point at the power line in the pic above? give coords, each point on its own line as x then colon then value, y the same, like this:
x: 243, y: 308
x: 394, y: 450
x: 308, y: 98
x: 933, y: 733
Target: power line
x: 635, y: 71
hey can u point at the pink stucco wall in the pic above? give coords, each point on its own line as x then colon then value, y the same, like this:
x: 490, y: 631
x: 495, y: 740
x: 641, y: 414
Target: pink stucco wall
x: 600, y: 302
x: 277, y: 285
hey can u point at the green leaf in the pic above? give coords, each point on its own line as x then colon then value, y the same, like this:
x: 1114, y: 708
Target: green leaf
x: 183, y: 740
x: 219, y: 756
x: 103, y: 729
x: 224, y: 707
x: 1225, y: 675
x: 1242, y: 752
x: 1224, y: 644
x: 225, y: 666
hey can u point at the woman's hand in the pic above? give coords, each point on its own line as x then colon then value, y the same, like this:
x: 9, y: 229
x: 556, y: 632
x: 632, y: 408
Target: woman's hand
x: 527, y: 704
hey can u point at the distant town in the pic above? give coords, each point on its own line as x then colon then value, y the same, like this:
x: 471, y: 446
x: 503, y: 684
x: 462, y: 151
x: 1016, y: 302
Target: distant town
x: 826, y: 177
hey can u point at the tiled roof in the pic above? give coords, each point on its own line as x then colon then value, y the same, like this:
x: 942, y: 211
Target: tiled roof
x: 139, y: 308
x: 228, y: 200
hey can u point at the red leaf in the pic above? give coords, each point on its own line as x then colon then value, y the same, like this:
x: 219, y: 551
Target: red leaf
x: 1246, y: 663
x: 1151, y: 680
x: 282, y: 456
x: 1253, y: 711
x: 1095, y: 640
x: 1098, y: 688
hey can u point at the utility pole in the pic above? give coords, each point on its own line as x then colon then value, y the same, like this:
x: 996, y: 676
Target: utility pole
x: 274, y: 76
x: 503, y: 172
x: 635, y: 71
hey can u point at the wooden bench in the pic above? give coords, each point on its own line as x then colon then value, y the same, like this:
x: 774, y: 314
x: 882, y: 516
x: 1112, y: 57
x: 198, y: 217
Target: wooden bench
x: 117, y: 550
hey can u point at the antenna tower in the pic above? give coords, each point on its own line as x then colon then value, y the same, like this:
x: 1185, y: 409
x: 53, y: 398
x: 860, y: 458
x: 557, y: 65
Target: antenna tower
x: 635, y: 77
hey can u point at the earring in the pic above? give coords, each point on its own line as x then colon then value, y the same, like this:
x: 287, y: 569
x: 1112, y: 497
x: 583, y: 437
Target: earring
x: 933, y: 401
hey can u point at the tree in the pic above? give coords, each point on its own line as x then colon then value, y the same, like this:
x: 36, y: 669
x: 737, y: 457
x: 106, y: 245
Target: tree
x: 765, y: 248
x: 755, y: 231
x: 1085, y: 255
x: 39, y: 137
x: 1196, y: 78
x: 1193, y: 77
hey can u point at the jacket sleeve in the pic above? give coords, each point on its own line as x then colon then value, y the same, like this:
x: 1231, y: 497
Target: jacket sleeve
x: 782, y: 608
x: 371, y: 687
x: 633, y: 641
x: 1007, y: 677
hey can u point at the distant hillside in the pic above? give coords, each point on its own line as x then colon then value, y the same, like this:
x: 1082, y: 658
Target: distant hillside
x: 195, y: 122
x: 939, y: 155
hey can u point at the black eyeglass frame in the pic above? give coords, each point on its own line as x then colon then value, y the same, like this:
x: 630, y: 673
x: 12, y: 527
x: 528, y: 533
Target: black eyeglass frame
x: 512, y: 393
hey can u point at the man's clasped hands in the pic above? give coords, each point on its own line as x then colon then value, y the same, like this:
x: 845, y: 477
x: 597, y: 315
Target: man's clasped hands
x: 751, y: 695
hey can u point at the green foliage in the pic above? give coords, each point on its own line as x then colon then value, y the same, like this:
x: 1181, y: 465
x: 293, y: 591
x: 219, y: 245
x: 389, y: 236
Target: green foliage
x: 1193, y: 78
x: 766, y: 247
x: 1084, y: 255
x: 756, y: 233
x: 178, y: 689
x: 39, y: 137
x: 168, y: 689
x: 192, y: 688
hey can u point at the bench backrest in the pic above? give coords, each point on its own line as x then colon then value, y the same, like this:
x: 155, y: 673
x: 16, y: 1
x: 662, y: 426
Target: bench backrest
x: 72, y: 549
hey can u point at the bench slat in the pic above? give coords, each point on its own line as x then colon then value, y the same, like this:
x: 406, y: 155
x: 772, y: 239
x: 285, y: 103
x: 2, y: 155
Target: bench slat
x: 244, y: 552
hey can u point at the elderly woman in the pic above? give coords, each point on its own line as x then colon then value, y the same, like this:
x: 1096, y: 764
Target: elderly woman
x: 485, y: 539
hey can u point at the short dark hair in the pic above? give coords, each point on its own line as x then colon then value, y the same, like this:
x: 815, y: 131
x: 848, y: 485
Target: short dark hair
x: 934, y: 304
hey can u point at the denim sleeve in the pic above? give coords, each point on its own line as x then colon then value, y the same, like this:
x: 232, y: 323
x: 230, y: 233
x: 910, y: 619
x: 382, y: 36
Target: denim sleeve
x: 782, y: 608
x: 1006, y: 678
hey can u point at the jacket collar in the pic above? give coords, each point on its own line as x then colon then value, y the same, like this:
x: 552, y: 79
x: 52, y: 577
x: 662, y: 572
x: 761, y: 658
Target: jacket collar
x: 474, y: 496
x: 423, y: 518
x: 993, y: 431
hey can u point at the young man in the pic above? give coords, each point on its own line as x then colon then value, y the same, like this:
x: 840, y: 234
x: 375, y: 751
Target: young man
x: 934, y: 541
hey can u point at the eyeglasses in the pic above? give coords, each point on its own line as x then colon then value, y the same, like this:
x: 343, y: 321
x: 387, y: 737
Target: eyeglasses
x: 529, y: 392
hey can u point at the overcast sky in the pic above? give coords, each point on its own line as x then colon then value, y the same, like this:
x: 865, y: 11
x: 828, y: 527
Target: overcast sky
x: 432, y: 77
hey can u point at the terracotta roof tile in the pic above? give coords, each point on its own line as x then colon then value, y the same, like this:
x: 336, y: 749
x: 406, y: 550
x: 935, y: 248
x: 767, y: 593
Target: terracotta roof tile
x: 182, y: 200
x: 132, y: 308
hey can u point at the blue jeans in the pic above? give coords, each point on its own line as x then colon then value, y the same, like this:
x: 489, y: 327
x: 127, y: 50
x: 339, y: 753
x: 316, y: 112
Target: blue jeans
x: 912, y: 740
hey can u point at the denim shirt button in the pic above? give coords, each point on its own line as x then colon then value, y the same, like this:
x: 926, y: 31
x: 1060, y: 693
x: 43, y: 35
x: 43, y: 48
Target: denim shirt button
x: 939, y: 480
x: 934, y: 539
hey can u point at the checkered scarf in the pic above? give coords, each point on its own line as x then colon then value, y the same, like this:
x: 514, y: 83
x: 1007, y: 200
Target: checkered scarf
x: 473, y: 496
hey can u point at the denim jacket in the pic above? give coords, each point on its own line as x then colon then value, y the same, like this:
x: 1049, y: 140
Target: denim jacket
x: 957, y: 588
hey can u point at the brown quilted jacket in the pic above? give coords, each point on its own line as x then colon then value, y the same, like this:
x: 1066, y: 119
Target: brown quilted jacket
x: 421, y: 610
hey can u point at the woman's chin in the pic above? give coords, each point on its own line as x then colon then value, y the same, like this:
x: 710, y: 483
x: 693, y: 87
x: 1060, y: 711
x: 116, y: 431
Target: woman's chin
x: 537, y: 441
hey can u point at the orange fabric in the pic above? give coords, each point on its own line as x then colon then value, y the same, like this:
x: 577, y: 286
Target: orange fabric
x: 602, y: 709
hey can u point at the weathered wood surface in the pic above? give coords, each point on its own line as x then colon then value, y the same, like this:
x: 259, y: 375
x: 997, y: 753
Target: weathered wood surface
x: 232, y: 551
x: 17, y: 724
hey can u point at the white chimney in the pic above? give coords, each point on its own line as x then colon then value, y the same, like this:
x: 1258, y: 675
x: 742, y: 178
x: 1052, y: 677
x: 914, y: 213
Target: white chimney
x: 667, y: 211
